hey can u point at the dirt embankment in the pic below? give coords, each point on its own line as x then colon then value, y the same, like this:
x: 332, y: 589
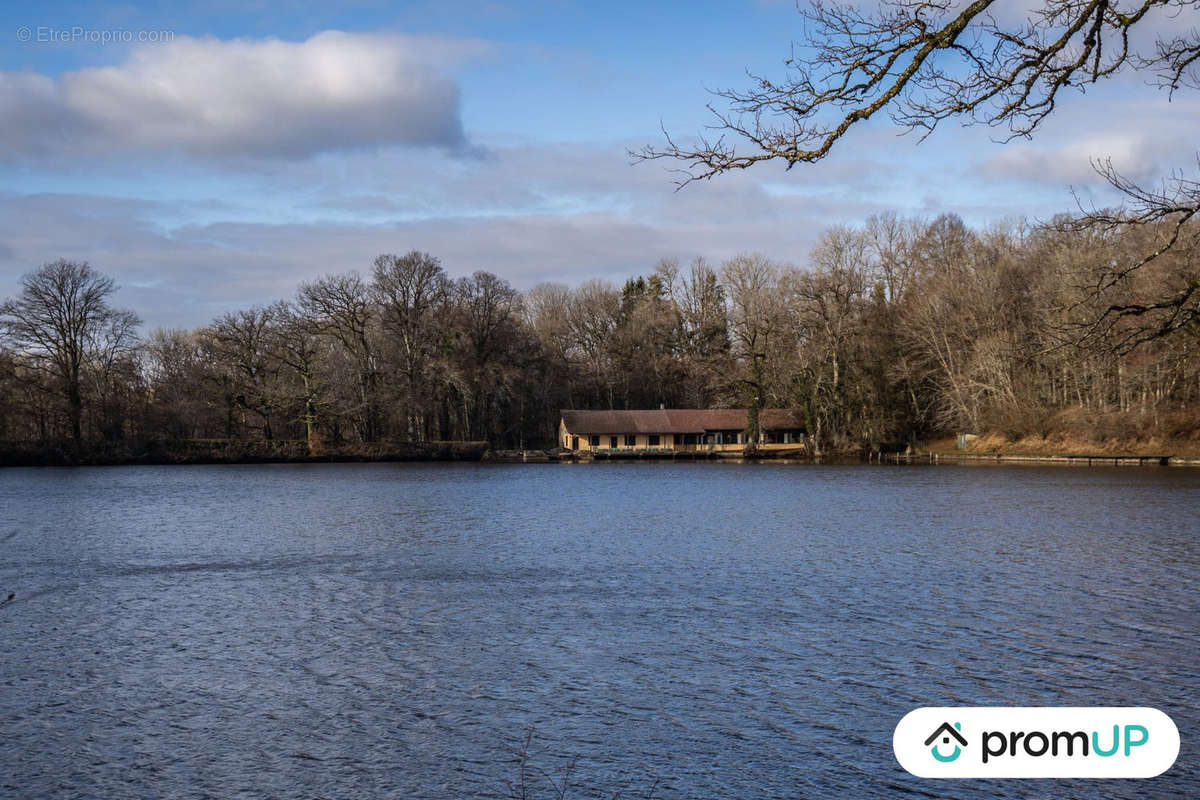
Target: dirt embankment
x: 1078, y: 432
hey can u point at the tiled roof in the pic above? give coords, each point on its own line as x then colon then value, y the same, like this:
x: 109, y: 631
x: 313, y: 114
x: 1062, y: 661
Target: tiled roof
x: 676, y: 420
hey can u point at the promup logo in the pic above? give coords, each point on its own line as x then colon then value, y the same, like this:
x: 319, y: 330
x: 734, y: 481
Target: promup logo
x: 1045, y: 742
x: 946, y: 732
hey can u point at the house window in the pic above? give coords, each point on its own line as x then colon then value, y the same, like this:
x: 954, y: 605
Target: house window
x: 594, y: 441
x: 574, y: 442
x: 654, y: 440
x: 612, y: 442
x: 630, y: 440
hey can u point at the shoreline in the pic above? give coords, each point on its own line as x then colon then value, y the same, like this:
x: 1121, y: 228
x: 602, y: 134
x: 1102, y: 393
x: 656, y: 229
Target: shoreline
x: 1072, y: 459
x: 1067, y: 450
x: 228, y: 451
x: 214, y: 452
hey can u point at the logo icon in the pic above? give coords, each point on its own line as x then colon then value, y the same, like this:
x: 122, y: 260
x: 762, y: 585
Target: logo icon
x: 946, y: 731
x: 1036, y: 742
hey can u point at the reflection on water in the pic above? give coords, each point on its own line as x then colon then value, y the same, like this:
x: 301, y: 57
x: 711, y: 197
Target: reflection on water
x: 725, y: 630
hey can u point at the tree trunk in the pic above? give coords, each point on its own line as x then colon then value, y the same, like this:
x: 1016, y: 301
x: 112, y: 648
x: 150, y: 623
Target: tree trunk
x: 752, y: 428
x: 75, y: 411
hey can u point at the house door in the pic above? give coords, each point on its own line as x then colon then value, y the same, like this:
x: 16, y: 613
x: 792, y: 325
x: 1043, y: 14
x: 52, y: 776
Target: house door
x: 574, y: 442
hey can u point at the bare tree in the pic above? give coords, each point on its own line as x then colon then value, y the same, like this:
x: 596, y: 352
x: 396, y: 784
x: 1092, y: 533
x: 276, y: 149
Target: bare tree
x: 490, y: 305
x: 701, y: 300
x: 891, y: 241
x: 490, y: 310
x: 825, y: 304
x: 554, y: 377
x: 1134, y: 312
x: 294, y: 341
x: 61, y: 321
x: 341, y: 307
x: 176, y: 372
x: 113, y: 371
x: 412, y: 291
x: 238, y: 344
x: 921, y: 62
x: 755, y: 316
x: 545, y: 309
x: 592, y: 316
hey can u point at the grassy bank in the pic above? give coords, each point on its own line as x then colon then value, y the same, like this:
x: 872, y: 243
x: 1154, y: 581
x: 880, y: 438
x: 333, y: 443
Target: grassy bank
x: 1063, y: 445
x: 1077, y: 432
x: 227, y: 451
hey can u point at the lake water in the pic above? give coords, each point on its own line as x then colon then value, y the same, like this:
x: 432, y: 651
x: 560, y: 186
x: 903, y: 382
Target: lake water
x: 702, y: 630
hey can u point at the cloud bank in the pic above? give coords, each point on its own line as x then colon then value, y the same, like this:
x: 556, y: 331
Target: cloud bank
x: 532, y: 213
x: 208, y: 97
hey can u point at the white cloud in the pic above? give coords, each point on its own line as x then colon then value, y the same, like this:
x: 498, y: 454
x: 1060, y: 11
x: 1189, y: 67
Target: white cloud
x: 1073, y: 162
x: 1144, y: 132
x: 32, y: 119
x: 187, y: 274
x: 243, y: 97
x: 202, y: 241
x: 528, y: 214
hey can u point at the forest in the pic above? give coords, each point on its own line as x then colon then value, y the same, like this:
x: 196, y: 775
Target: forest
x: 889, y: 332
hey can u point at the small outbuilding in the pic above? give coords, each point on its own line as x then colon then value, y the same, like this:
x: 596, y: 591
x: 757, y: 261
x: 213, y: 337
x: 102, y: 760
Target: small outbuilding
x: 674, y: 430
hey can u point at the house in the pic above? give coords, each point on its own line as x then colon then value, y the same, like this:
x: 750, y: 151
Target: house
x: 945, y: 731
x: 675, y: 430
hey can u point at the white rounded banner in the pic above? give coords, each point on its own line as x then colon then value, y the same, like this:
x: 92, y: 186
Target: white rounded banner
x: 1036, y: 742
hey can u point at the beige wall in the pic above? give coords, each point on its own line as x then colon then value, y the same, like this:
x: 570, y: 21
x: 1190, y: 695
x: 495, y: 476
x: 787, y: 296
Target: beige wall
x: 642, y: 440
x: 666, y: 440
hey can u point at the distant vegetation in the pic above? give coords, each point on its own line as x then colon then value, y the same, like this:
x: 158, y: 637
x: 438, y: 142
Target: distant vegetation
x: 895, y: 330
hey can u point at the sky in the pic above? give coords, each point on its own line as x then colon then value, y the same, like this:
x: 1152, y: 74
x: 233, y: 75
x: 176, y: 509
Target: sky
x: 212, y: 156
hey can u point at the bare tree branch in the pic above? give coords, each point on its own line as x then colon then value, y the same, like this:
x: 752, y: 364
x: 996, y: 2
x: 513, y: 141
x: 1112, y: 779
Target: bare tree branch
x: 1169, y: 213
x: 921, y: 62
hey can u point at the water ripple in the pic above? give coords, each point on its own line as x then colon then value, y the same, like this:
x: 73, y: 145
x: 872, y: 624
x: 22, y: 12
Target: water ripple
x: 711, y: 631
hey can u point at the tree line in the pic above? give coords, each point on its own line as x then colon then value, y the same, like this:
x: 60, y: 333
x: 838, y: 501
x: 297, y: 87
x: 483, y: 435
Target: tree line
x: 893, y: 330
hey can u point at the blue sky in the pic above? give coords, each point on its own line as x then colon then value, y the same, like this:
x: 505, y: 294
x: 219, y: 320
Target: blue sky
x: 268, y: 143
x: 613, y: 61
